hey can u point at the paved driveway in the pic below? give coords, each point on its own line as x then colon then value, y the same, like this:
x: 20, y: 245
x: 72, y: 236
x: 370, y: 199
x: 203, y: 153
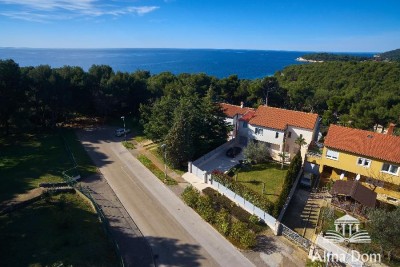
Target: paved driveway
x: 221, y: 162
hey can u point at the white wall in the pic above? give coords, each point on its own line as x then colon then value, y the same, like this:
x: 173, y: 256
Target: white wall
x: 296, y: 132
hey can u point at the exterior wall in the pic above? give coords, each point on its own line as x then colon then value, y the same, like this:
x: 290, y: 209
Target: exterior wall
x: 235, y: 124
x: 348, y: 162
x: 308, y: 136
x: 268, y: 136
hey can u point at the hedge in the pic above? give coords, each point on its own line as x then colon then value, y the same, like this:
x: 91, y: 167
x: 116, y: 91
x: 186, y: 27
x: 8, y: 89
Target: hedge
x: 293, y: 171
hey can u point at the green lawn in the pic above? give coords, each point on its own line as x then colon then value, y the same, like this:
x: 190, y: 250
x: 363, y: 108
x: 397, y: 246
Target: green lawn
x: 62, y: 231
x: 26, y: 160
x: 269, y: 173
x: 29, y: 159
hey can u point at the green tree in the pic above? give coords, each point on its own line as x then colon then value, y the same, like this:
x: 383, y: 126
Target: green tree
x: 11, y: 94
x: 383, y: 226
x: 300, y: 141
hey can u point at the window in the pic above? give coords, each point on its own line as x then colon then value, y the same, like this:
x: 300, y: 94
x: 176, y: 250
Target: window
x: 259, y: 131
x: 276, y: 135
x: 289, y: 135
x: 364, y: 162
x: 245, y: 124
x: 389, y: 168
x: 331, y: 154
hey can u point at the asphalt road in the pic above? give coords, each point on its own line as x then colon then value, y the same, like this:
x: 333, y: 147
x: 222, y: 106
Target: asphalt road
x: 178, y: 236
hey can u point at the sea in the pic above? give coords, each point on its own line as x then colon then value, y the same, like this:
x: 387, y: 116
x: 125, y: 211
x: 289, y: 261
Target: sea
x: 221, y: 63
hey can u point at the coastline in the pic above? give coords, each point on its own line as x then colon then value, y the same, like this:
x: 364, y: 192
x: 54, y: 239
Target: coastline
x: 300, y: 59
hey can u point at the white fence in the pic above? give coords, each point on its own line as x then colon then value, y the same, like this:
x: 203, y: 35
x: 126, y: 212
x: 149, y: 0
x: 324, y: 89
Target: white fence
x: 242, y: 202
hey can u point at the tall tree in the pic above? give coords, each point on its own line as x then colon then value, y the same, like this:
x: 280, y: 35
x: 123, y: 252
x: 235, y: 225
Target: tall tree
x: 11, y: 94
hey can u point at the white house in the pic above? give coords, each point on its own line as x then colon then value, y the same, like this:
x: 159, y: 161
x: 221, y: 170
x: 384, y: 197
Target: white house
x: 278, y: 128
x: 233, y: 113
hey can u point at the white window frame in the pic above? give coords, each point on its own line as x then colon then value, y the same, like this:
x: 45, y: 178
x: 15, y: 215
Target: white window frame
x: 276, y: 134
x: 328, y: 151
x: 390, y: 168
x: 258, y: 131
x: 363, y: 161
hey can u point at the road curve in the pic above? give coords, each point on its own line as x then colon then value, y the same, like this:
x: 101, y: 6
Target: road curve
x: 178, y: 235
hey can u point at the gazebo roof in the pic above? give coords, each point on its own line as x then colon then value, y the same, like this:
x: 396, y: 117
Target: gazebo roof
x: 347, y: 219
x: 356, y: 191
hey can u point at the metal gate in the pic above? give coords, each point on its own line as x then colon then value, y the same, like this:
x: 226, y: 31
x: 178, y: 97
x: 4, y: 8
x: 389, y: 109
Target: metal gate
x: 296, y: 238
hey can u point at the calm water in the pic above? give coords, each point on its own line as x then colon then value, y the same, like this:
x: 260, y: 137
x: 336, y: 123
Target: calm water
x: 247, y: 64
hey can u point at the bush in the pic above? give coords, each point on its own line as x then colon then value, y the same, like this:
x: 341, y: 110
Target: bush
x: 291, y: 175
x: 205, y: 209
x: 223, y: 222
x: 191, y: 196
x: 248, y: 239
x: 258, y: 152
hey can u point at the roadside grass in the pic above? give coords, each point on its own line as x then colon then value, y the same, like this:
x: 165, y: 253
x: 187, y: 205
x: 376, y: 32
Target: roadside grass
x: 128, y: 145
x: 26, y: 160
x: 269, y: 173
x: 61, y: 230
x: 156, y: 153
x: 155, y: 170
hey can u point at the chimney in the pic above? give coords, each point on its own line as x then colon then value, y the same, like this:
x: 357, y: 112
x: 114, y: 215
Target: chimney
x: 241, y: 104
x: 390, y: 130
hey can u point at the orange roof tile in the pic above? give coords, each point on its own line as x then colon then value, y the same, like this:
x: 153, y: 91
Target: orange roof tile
x: 365, y: 143
x: 247, y: 117
x: 277, y: 118
x: 231, y: 110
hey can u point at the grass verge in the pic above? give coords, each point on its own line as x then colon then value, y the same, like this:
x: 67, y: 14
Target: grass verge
x: 61, y: 230
x: 157, y: 154
x: 155, y: 170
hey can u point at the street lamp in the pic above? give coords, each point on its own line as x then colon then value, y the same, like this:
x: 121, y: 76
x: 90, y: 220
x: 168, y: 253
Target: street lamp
x: 123, y: 119
x: 164, y: 149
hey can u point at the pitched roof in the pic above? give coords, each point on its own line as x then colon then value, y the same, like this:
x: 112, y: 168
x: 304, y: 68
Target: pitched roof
x: 277, y: 118
x: 356, y: 191
x: 365, y: 143
x: 247, y: 117
x: 231, y: 110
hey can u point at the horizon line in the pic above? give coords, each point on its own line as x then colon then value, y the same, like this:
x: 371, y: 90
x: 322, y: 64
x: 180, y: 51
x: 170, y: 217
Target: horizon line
x: 177, y: 48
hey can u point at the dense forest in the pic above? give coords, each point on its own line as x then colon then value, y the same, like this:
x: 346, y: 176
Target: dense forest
x: 333, y: 57
x: 393, y: 55
x: 357, y: 94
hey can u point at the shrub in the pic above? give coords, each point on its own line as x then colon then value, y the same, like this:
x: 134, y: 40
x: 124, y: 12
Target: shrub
x: 205, y: 209
x: 237, y: 230
x: 254, y: 219
x: 258, y: 152
x: 191, y: 196
x: 293, y: 171
x: 223, y: 222
x: 248, y: 239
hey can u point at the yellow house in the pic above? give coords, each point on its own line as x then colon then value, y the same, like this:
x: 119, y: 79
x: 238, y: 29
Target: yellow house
x: 371, y: 158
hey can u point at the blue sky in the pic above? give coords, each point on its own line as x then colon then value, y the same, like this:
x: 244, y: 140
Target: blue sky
x: 301, y: 25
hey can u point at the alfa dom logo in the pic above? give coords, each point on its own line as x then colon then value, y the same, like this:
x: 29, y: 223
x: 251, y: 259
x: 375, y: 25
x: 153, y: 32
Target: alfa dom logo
x: 350, y: 226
